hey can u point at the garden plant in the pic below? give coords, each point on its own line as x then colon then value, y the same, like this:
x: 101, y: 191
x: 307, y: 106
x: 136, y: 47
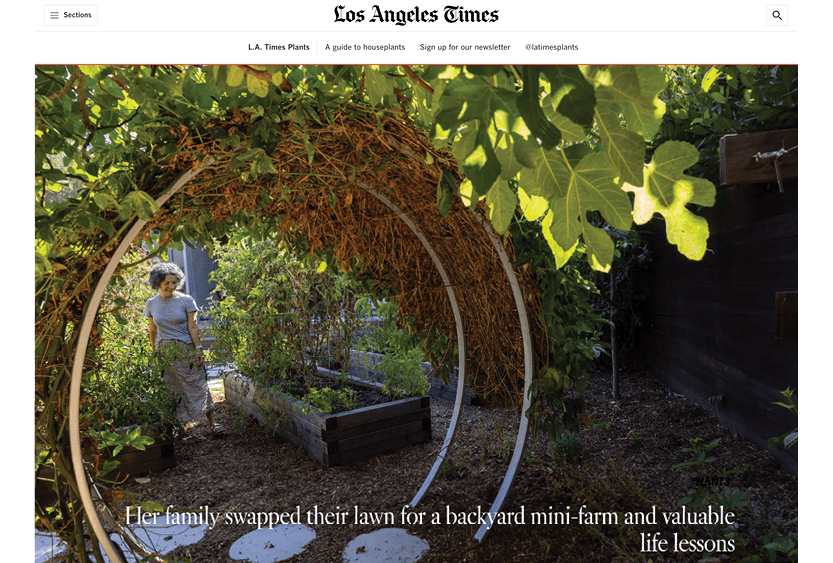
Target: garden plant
x: 279, y: 318
x: 552, y: 157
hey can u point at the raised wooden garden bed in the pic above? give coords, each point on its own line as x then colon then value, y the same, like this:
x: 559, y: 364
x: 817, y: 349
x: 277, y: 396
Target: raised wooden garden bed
x: 132, y: 462
x: 334, y: 439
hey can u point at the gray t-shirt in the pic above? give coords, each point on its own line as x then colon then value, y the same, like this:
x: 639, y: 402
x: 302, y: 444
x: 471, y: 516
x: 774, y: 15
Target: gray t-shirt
x: 170, y: 316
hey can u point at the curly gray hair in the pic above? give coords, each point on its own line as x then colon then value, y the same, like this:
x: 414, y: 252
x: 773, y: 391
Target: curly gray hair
x: 163, y: 269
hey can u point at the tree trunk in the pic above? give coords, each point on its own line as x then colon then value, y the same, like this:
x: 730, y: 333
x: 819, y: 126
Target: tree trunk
x: 614, y: 348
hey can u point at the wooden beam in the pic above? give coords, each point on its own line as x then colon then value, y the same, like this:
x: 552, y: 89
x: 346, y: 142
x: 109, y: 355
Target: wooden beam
x: 786, y: 315
x: 738, y: 164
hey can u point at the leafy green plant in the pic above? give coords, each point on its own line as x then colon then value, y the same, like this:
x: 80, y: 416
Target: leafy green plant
x: 252, y: 317
x: 403, y: 374
x: 568, y: 447
x: 127, y: 388
x: 454, y: 464
x: 278, y: 313
x: 711, y: 490
x: 789, y: 438
x: 400, y: 365
x: 772, y: 545
x: 125, y: 401
x: 279, y: 317
x: 573, y: 328
x: 326, y: 398
x: 704, y: 103
x: 700, y: 449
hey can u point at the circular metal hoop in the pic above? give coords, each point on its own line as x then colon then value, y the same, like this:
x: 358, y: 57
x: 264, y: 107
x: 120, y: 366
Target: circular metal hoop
x: 98, y: 294
x: 78, y: 365
x: 461, y: 346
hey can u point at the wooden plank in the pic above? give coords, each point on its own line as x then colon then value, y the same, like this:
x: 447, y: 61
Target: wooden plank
x: 382, y: 447
x: 717, y: 333
x: 342, y: 433
x: 133, y: 462
x: 753, y: 275
x: 384, y: 410
x: 737, y: 157
x: 371, y: 429
x: 351, y: 379
x: 759, y: 205
x: 371, y: 438
x: 314, y: 416
x: 786, y: 315
x: 719, y: 372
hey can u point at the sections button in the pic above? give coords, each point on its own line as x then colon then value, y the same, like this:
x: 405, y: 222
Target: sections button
x: 70, y: 14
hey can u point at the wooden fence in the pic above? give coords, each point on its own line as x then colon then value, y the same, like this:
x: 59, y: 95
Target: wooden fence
x: 724, y: 331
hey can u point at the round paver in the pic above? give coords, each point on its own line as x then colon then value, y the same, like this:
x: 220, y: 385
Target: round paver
x: 47, y: 546
x: 268, y: 545
x: 393, y: 545
x: 169, y: 532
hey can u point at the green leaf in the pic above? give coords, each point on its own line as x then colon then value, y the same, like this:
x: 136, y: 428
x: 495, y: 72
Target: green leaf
x: 235, y: 76
x: 664, y: 175
x: 624, y: 148
x: 516, y: 153
x: 141, y: 204
x: 481, y: 166
x: 529, y: 108
x: 502, y: 203
x: 533, y: 207
x: 549, y: 179
x: 92, y: 70
x: 667, y: 190
x: 599, y: 247
x: 633, y: 92
x: 42, y: 264
x: 446, y: 188
x: 710, y: 77
x: 572, y: 95
x: 561, y: 256
x: 103, y: 224
x: 256, y: 86
x: 309, y: 147
x: 378, y: 84
x: 593, y: 186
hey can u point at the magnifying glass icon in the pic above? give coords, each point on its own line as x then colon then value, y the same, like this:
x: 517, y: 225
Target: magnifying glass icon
x: 776, y: 15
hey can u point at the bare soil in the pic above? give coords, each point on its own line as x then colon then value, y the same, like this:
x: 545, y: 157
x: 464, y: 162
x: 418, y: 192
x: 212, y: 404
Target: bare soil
x: 627, y: 454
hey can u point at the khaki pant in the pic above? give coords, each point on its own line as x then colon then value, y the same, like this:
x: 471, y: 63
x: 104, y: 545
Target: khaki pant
x: 189, y: 382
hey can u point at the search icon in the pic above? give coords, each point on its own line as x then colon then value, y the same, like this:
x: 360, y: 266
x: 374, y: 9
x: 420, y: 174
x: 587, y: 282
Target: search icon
x: 778, y: 15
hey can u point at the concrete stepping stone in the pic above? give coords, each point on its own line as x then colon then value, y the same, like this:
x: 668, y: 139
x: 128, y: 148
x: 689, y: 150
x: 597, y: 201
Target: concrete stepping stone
x: 48, y: 546
x: 162, y: 537
x: 269, y: 545
x: 169, y: 532
x: 393, y: 545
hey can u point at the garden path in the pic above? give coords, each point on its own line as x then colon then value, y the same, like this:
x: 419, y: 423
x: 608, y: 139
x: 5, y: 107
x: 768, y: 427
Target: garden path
x: 263, y: 545
x: 625, y: 463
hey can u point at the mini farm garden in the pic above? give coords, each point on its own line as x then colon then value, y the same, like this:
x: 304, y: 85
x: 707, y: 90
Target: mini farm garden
x: 423, y: 312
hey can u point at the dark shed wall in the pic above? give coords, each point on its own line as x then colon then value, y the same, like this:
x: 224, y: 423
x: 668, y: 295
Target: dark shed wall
x: 710, y: 325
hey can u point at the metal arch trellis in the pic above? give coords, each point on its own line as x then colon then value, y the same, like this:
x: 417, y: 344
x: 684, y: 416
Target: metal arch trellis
x: 78, y: 363
x: 98, y: 294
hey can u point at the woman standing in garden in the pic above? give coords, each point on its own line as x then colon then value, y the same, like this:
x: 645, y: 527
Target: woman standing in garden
x: 172, y: 322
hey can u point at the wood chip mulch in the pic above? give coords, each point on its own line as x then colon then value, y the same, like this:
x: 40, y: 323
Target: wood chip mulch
x: 627, y: 454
